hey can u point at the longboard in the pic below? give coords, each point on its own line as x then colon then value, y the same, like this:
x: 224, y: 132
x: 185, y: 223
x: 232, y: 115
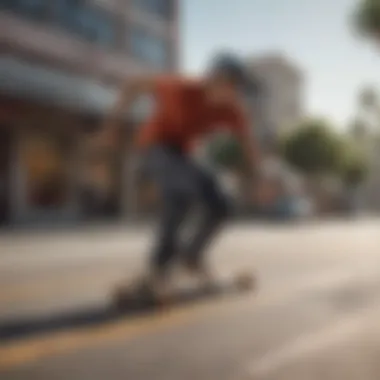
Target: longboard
x: 127, y: 299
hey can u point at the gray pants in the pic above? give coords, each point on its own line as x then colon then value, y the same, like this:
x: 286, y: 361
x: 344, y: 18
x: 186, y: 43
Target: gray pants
x: 181, y: 183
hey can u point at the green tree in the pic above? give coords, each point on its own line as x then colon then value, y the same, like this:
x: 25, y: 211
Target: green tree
x: 313, y: 148
x: 354, y: 166
x: 367, y: 18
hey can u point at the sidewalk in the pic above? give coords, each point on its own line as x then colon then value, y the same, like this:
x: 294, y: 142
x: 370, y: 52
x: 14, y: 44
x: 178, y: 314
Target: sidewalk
x: 10, y: 235
x: 94, y: 235
x: 40, y: 249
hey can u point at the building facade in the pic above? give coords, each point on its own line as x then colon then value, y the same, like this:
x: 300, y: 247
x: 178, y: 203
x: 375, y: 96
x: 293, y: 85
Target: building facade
x: 60, y: 64
x: 280, y: 105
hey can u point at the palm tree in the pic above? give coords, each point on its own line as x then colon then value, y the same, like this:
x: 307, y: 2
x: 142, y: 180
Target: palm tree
x: 358, y: 130
x: 368, y: 98
x: 365, y: 131
x: 369, y: 107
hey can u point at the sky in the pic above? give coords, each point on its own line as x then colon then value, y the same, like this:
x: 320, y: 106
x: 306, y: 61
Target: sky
x: 315, y: 34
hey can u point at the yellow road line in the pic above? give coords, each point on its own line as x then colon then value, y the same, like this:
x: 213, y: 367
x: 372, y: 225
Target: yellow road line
x: 33, y: 349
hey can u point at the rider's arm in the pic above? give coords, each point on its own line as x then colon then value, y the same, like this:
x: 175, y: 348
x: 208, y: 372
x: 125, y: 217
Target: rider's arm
x: 130, y: 90
x: 244, y: 134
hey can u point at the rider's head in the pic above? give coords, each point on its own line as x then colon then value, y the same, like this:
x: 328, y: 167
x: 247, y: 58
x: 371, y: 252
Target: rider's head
x: 227, y: 79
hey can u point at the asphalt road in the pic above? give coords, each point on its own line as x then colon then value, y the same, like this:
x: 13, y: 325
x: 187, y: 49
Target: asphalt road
x: 315, y: 315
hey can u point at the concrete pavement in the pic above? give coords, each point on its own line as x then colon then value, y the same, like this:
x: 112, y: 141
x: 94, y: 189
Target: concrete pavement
x: 319, y: 292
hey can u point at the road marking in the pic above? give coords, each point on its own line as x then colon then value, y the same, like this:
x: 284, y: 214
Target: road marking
x: 33, y: 349
x: 37, y: 348
x: 307, y: 345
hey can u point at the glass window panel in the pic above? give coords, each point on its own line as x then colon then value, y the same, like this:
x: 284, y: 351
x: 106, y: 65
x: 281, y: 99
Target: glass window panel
x: 149, y: 48
x: 160, y: 8
x: 34, y: 9
x: 91, y: 24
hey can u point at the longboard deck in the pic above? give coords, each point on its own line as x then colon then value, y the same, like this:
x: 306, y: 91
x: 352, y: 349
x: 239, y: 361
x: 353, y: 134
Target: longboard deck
x: 127, y: 300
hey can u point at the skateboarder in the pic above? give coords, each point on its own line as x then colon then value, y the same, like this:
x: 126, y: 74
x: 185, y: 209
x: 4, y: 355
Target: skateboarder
x: 185, y: 111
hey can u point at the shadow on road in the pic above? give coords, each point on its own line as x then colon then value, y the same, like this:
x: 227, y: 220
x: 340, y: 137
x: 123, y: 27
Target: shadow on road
x: 15, y: 329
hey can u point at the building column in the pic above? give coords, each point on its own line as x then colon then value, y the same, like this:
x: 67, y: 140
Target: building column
x: 129, y: 188
x: 73, y: 176
x: 17, y: 182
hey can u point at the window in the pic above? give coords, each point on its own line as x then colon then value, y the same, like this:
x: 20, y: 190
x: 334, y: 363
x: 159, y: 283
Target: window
x: 89, y: 23
x: 161, y: 8
x: 34, y: 9
x: 44, y: 159
x: 96, y: 27
x: 149, y: 48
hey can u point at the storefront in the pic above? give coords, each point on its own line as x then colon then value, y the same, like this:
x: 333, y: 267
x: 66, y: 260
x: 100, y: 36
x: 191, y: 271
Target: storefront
x: 38, y: 164
x: 47, y: 175
x: 44, y: 171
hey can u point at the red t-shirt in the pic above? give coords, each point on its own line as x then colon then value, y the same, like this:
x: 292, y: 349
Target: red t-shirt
x: 182, y: 115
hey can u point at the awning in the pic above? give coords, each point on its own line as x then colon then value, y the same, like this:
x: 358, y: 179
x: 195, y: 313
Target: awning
x: 35, y: 82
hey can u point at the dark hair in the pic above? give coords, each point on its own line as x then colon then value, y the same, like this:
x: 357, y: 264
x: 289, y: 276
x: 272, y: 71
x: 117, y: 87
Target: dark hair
x: 229, y: 66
